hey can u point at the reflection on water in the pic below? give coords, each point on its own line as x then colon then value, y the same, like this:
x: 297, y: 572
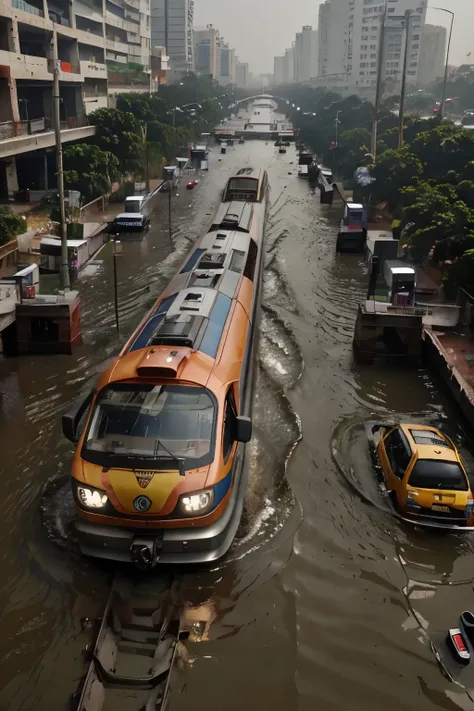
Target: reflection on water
x: 325, y: 598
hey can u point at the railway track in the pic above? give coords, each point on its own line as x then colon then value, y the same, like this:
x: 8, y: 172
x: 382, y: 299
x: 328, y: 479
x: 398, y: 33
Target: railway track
x: 131, y: 661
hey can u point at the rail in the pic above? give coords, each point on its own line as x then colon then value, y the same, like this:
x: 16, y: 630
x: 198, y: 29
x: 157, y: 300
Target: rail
x: 142, y: 624
x: 16, y: 129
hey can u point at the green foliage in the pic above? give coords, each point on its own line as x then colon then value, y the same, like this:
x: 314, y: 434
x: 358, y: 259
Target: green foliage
x: 90, y: 170
x: 119, y: 133
x: 10, y: 225
x: 394, y: 171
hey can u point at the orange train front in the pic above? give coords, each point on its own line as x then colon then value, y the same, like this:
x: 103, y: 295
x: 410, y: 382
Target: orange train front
x: 159, y: 471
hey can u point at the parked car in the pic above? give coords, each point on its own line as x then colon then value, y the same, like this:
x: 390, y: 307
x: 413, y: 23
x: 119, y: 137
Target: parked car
x: 425, y: 476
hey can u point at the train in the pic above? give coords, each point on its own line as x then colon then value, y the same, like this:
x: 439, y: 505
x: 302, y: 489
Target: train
x: 160, y: 467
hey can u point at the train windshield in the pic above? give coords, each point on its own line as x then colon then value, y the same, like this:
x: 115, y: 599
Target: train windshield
x: 152, y: 423
x: 242, y: 188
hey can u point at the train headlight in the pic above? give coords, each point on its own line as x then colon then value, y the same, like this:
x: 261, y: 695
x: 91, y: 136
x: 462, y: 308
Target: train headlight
x: 91, y: 498
x: 196, y: 504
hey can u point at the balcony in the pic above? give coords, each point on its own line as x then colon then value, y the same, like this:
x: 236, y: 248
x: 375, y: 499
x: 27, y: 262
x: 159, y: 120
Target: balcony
x: 122, y: 24
x: 26, y: 7
x: 93, y: 70
x: 23, y: 136
x: 25, y: 66
x: 116, y: 46
x: 84, y: 10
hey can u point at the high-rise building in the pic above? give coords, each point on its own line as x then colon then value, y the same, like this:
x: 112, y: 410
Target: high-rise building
x: 102, y: 47
x: 172, y: 28
x: 225, y: 64
x: 306, y: 54
x: 241, y: 74
x: 333, y: 42
x: 289, y: 65
x: 205, y: 51
x: 279, y: 71
x: 432, y: 54
x: 349, y: 42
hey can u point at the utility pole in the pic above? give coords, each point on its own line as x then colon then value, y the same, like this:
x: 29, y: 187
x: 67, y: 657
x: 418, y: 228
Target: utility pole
x: 170, y: 227
x: 446, y: 66
x: 401, y: 115
x: 118, y: 250
x: 64, y: 269
x: 380, y: 72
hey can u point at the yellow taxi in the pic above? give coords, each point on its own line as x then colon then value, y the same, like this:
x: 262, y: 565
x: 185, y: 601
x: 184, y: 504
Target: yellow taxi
x: 425, y: 476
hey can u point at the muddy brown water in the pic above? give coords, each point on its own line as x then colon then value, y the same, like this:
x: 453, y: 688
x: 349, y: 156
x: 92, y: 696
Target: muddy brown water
x: 324, y: 600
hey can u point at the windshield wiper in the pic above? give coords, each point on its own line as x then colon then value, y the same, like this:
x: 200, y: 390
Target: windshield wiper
x: 111, y: 449
x: 179, y: 460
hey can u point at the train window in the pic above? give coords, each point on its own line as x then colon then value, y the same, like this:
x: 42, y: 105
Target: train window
x: 237, y: 261
x: 149, y: 328
x: 193, y: 260
x: 212, y: 337
x: 251, y: 260
x: 230, y: 415
x: 155, y: 423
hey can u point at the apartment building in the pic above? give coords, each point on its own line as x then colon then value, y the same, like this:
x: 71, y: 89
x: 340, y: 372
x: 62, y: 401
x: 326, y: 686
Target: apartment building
x: 225, y: 64
x: 432, y: 54
x: 172, y: 27
x: 278, y: 71
x: 242, y: 74
x: 306, y: 54
x: 205, y: 51
x: 99, y: 44
x: 349, y: 43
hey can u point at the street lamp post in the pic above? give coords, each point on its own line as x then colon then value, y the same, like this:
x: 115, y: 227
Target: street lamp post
x: 401, y: 115
x: 446, y: 67
x: 380, y: 72
x: 337, y: 135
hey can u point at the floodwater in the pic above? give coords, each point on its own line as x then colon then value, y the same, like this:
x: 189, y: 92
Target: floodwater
x: 325, y: 600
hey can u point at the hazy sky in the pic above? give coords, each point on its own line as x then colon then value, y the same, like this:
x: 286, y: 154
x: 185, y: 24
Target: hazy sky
x: 260, y: 29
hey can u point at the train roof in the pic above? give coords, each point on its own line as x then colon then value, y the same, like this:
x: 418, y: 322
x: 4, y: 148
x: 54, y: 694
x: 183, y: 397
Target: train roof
x: 184, y: 333
x: 236, y: 215
x: 247, y: 173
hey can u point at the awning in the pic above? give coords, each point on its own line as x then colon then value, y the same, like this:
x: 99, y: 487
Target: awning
x: 52, y: 247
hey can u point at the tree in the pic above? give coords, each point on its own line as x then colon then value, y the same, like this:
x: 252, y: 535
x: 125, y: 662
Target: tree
x: 119, y: 133
x: 443, y: 148
x: 441, y: 222
x: 394, y: 171
x: 10, y: 225
x: 90, y: 170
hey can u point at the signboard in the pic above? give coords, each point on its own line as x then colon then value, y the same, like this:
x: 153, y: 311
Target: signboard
x: 140, y: 186
x: 37, y: 125
x: 74, y: 198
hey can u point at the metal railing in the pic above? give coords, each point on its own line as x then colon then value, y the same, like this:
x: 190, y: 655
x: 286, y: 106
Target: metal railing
x: 15, y: 129
x: 26, y: 7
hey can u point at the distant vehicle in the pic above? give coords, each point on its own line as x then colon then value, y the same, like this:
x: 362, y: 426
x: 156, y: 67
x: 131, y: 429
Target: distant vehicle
x: 352, y: 233
x: 191, y: 185
x: 468, y: 118
x: 425, y: 476
x: 132, y: 218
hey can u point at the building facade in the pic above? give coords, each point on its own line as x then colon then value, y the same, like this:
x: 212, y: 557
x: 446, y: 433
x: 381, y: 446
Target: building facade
x: 333, y: 46
x: 225, y: 64
x: 102, y: 46
x: 172, y: 28
x: 205, y: 51
x: 278, y: 71
x: 242, y: 74
x: 432, y: 54
x: 306, y: 54
x: 350, y: 39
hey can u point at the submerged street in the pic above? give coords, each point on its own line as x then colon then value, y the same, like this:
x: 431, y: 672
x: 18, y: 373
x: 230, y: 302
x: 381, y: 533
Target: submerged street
x: 325, y: 600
